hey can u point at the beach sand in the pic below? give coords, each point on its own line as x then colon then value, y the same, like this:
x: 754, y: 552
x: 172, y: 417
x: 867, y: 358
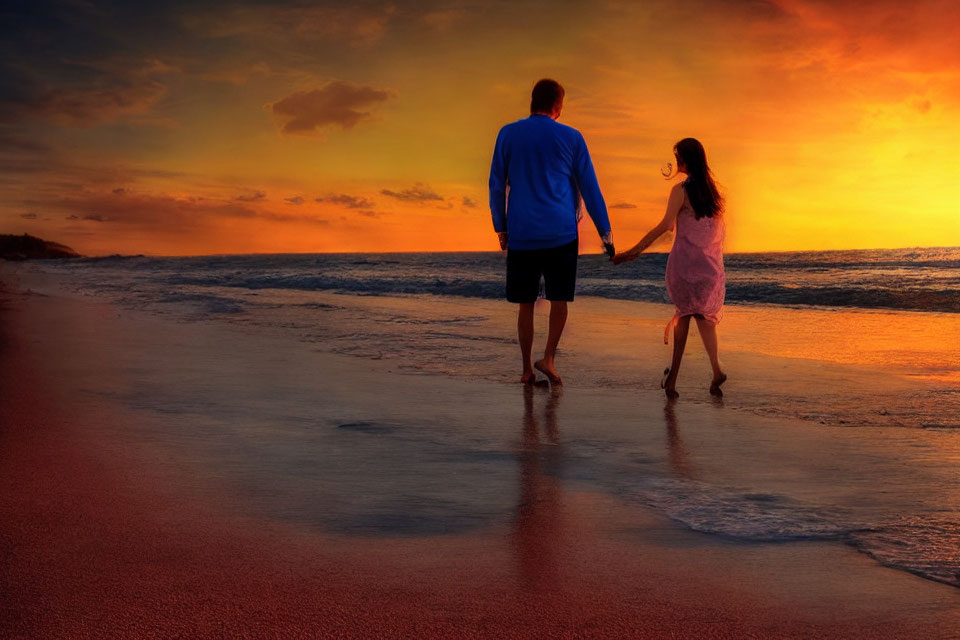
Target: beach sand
x: 141, y: 499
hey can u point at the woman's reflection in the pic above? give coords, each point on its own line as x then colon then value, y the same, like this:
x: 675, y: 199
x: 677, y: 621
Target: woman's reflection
x: 676, y: 451
x: 538, y: 523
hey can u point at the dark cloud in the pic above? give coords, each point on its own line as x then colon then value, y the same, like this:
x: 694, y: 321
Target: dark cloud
x: 369, y: 214
x: 79, y: 63
x: 10, y: 142
x: 468, y: 202
x: 251, y: 197
x: 79, y: 100
x: 47, y: 176
x: 623, y: 205
x: 348, y: 201
x: 418, y: 193
x: 86, y: 106
x: 444, y: 18
x: 294, y: 200
x: 164, y: 212
x: 10, y: 166
x: 19, y: 92
x: 338, y: 104
x: 158, y: 173
x: 28, y: 216
x: 357, y: 24
x: 20, y: 154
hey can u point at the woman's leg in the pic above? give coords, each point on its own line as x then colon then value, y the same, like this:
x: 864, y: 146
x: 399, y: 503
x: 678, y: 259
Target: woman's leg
x: 679, y: 344
x: 708, y: 332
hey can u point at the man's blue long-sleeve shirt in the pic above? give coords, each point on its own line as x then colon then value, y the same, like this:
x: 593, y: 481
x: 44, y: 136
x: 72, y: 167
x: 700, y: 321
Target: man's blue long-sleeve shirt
x: 539, y: 171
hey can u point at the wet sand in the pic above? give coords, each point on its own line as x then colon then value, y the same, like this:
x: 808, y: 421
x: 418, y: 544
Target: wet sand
x: 105, y: 534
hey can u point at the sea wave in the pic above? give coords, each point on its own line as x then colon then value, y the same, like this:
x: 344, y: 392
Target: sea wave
x: 920, y: 545
x: 864, y: 297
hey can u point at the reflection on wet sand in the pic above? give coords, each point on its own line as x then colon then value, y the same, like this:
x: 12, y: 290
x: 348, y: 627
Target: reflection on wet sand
x: 538, y: 526
x: 676, y: 451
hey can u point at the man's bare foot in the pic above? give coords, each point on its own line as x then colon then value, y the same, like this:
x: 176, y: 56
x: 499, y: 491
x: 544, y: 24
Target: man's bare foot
x: 715, y: 389
x: 550, y: 372
x: 528, y: 377
x: 671, y: 393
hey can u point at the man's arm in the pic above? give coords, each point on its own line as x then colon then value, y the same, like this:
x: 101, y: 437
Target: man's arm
x: 590, y: 190
x: 498, y: 189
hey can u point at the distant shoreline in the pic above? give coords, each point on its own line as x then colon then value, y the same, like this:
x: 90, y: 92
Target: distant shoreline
x: 27, y: 247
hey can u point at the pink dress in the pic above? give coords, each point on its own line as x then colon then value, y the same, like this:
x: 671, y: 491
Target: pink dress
x: 696, y: 282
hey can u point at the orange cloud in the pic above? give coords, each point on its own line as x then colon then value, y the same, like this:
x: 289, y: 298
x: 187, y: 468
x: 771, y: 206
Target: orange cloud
x: 251, y: 197
x: 418, y: 193
x: 348, y: 201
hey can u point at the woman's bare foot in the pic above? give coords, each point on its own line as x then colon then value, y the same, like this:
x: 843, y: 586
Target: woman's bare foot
x: 715, y: 389
x: 669, y: 383
x: 549, y: 371
x: 528, y: 377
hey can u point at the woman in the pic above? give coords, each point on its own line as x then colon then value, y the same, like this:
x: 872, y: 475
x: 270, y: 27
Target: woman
x: 695, y: 278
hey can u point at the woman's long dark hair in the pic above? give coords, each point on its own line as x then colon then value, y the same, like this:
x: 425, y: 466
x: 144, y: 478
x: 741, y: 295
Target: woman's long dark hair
x: 699, y: 185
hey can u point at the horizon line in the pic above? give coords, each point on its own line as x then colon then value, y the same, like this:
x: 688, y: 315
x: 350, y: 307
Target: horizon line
x: 335, y: 253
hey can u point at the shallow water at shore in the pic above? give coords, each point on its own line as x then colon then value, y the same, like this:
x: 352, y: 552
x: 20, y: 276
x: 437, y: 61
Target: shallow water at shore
x: 808, y: 363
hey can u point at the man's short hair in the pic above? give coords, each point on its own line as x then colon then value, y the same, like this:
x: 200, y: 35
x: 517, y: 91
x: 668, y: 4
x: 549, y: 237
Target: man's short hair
x: 546, y: 94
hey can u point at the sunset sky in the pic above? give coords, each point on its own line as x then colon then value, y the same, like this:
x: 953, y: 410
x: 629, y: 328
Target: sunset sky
x: 226, y: 127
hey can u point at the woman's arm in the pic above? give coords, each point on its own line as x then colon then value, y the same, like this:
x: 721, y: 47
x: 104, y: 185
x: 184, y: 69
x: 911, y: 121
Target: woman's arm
x: 674, y: 203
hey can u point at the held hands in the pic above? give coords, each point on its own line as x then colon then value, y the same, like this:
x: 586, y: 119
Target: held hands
x: 617, y: 258
x: 608, y: 249
x: 625, y: 256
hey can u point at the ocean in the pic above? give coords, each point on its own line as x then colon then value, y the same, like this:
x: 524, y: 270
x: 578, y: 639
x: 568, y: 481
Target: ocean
x: 894, y: 279
x: 861, y: 345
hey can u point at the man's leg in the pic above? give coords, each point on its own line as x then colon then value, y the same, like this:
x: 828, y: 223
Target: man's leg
x: 525, y: 336
x: 523, y: 281
x: 560, y: 280
x: 558, y: 318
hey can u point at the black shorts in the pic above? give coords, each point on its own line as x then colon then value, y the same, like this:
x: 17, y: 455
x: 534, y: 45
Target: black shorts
x: 557, y: 265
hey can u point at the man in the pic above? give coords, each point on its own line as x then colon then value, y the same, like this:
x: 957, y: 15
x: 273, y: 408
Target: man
x: 540, y: 170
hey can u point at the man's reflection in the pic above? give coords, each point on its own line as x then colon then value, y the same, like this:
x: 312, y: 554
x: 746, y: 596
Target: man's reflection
x: 538, y: 523
x: 676, y: 451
